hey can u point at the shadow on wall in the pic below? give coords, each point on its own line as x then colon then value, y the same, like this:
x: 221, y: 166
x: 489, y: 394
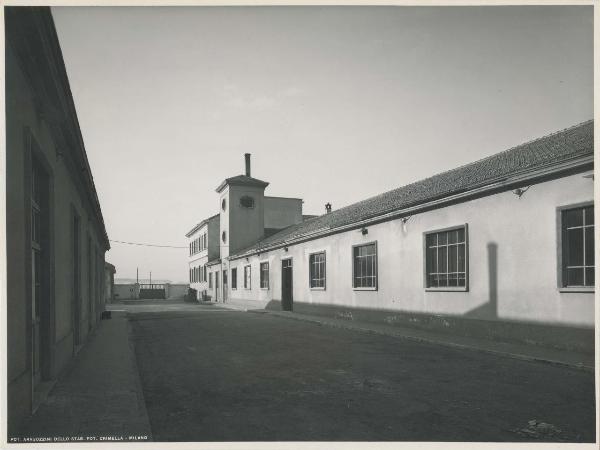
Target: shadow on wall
x: 489, y: 310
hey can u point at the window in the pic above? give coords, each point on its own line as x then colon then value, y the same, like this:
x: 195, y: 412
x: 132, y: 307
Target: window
x: 205, y: 272
x: 577, y: 258
x: 446, y: 258
x: 234, y: 278
x: 247, y: 277
x: 224, y: 205
x: 247, y: 202
x: 264, y: 275
x: 316, y: 263
x: 364, y: 268
x: 210, y: 280
x: 224, y: 236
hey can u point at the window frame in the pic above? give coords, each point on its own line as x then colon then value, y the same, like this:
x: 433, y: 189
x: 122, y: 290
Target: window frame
x: 234, y: 278
x: 248, y: 286
x: 260, y: 272
x: 559, y: 249
x: 372, y: 288
x: 464, y: 288
x: 310, y: 278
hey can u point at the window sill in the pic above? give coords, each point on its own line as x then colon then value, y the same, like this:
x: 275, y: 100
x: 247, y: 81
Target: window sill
x: 317, y: 288
x: 365, y: 288
x: 264, y: 289
x: 447, y: 289
x: 582, y: 289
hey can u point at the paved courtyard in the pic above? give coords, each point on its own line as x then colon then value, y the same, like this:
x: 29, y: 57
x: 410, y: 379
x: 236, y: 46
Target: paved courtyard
x: 222, y: 375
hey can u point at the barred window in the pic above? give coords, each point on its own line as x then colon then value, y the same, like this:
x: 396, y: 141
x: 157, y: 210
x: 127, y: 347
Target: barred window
x: 446, y: 258
x: 578, y: 247
x: 247, y: 277
x: 316, y: 263
x: 234, y: 278
x: 264, y: 275
x: 365, y: 266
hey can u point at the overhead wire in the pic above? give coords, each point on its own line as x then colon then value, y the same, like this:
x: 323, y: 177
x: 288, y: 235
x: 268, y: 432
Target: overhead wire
x: 145, y: 244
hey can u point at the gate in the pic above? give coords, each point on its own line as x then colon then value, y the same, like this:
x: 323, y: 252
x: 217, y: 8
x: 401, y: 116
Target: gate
x: 149, y: 291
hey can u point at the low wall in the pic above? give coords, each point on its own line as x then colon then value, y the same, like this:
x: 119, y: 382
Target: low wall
x: 130, y: 291
x: 176, y: 291
x: 125, y: 292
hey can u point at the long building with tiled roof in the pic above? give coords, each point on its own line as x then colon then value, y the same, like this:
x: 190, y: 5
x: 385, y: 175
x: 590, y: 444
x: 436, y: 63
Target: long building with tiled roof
x: 502, y: 248
x: 548, y: 152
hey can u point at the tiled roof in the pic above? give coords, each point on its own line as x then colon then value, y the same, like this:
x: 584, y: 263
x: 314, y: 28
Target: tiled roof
x: 242, y: 180
x: 559, y: 147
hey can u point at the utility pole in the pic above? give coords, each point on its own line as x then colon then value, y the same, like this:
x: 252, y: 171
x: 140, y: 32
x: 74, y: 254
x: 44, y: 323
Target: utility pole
x: 137, y: 275
x: 150, y: 278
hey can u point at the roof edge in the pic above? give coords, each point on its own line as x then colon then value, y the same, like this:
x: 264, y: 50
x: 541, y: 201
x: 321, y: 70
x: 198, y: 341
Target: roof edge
x: 200, y: 225
x: 550, y: 170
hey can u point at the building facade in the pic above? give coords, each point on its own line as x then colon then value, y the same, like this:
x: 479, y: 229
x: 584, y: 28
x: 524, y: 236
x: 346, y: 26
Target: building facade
x: 246, y: 215
x: 56, y: 238
x: 502, y: 247
x: 203, y: 243
x: 109, y: 283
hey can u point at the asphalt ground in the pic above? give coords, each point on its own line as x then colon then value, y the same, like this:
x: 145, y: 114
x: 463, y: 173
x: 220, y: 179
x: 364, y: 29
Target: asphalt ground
x: 223, y: 375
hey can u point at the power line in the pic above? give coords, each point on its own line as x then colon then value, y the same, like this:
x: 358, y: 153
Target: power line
x: 145, y: 245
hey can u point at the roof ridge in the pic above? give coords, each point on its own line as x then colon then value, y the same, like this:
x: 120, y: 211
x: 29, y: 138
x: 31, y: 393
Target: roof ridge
x: 522, y: 144
x: 477, y: 161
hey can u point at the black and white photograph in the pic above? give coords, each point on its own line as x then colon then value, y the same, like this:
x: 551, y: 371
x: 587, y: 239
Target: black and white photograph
x: 288, y: 225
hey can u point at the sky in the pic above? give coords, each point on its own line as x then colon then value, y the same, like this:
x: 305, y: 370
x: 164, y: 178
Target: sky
x: 335, y: 104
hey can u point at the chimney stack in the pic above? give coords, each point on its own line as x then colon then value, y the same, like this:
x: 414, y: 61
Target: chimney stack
x: 328, y: 207
x: 247, y: 156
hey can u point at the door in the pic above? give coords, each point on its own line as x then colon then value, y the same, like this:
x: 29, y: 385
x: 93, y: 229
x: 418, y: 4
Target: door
x: 90, y: 282
x: 216, y: 286
x: 40, y: 295
x: 76, y: 285
x: 224, y: 286
x: 287, y: 300
x: 36, y: 310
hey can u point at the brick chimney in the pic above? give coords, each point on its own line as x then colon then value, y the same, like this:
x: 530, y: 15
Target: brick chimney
x: 247, y: 156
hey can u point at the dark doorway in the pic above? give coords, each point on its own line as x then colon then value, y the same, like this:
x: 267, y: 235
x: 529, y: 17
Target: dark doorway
x: 90, y: 281
x: 216, y: 286
x: 40, y: 273
x: 287, y: 300
x: 224, y: 286
x: 76, y: 271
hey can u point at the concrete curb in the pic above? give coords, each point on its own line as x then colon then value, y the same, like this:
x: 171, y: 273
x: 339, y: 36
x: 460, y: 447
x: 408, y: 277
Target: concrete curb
x: 138, y: 382
x: 430, y: 340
